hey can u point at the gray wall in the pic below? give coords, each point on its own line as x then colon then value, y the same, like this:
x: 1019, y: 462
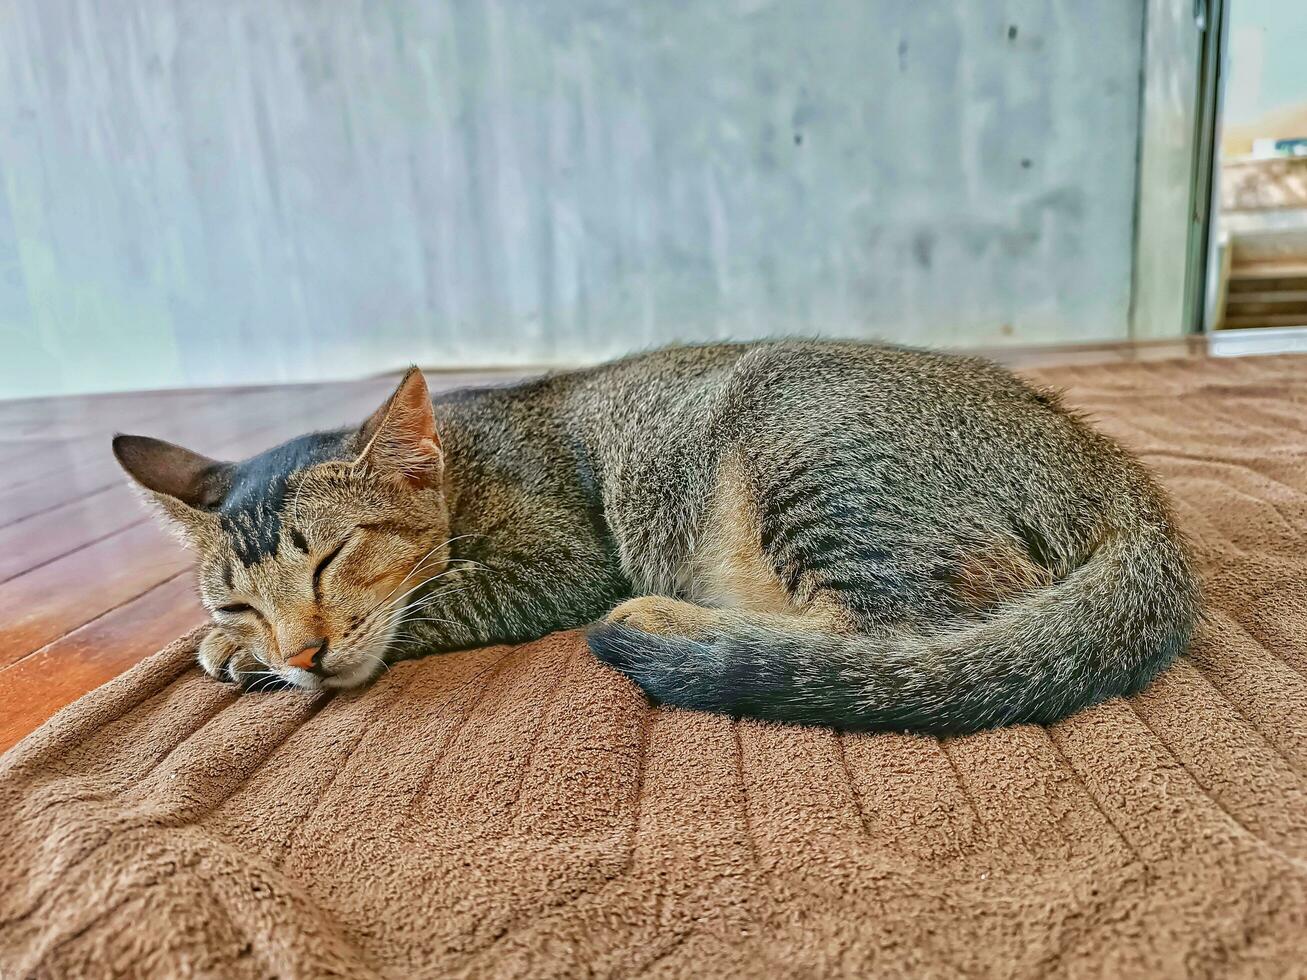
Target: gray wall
x: 210, y: 191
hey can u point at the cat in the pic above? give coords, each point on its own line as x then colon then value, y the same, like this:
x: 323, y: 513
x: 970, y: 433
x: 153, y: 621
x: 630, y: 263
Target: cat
x: 856, y: 535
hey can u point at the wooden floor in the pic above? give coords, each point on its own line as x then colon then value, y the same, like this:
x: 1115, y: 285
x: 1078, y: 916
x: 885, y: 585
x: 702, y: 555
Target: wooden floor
x: 89, y: 585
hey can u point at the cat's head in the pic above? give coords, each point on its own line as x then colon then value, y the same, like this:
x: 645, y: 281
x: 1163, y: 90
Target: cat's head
x: 307, y: 551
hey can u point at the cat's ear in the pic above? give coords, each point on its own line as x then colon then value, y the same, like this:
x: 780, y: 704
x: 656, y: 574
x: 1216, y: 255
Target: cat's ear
x: 400, y: 439
x: 184, y: 485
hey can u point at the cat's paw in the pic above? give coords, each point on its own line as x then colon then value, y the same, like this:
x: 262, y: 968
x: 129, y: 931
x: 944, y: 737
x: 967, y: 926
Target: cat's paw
x: 224, y: 659
x: 662, y: 616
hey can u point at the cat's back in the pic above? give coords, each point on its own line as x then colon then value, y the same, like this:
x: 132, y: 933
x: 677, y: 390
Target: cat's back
x: 859, y: 408
x: 795, y: 387
x: 796, y: 365
x: 850, y: 372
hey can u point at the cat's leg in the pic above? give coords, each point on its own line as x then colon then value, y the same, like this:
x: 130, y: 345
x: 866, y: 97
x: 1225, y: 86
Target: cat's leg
x: 223, y: 658
x: 665, y: 616
x: 507, y: 596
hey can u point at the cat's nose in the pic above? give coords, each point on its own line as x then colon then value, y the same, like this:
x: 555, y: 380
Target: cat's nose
x: 310, y: 655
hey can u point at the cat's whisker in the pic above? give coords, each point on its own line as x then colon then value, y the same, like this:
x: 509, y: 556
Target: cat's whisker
x: 410, y: 616
x: 427, y: 602
x: 396, y: 600
x: 370, y: 620
x: 452, y: 584
x: 469, y: 563
x: 449, y: 541
x: 460, y: 537
x: 372, y: 656
x: 421, y: 585
x: 435, y: 578
x: 421, y: 561
x: 399, y: 601
x: 265, y: 679
x: 387, y: 597
x: 295, y: 504
x: 412, y: 570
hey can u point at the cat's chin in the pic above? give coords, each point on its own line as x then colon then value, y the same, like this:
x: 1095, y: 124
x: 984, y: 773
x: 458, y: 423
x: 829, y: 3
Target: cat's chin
x: 356, y: 676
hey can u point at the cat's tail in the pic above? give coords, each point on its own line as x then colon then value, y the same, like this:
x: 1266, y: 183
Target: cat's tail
x: 1105, y: 630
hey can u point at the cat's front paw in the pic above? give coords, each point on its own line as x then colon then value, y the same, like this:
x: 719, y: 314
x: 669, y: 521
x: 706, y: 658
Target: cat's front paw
x: 662, y: 616
x: 224, y: 659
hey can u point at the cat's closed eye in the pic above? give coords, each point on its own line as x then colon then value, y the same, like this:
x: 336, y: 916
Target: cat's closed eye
x: 235, y: 608
x: 322, y: 565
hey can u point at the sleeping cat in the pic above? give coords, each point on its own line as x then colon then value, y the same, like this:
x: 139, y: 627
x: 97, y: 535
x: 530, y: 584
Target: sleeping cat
x: 835, y: 533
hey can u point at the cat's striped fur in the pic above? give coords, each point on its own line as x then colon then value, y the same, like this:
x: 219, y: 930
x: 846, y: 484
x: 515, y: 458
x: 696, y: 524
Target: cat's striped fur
x: 846, y: 534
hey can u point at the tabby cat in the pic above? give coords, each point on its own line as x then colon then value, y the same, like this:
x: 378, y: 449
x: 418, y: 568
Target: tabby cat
x: 835, y: 533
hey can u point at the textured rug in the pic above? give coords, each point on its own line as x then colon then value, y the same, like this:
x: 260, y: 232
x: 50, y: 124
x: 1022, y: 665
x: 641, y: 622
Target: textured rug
x: 522, y: 812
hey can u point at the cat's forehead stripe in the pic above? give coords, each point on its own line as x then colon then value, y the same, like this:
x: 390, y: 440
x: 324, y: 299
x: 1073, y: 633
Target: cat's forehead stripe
x: 251, y: 513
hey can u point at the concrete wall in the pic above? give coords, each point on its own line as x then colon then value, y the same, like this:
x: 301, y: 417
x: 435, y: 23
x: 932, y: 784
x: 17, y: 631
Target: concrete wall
x: 204, y: 192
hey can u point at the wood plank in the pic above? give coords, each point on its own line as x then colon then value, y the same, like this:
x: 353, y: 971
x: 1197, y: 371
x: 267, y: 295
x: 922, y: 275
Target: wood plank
x: 101, y: 605
x: 61, y: 672
x: 33, y: 499
x: 13, y: 448
x: 1268, y: 270
x: 147, y: 399
x: 1269, y: 296
x: 92, y: 608
x: 37, y: 605
x: 74, y: 408
x: 66, y: 437
x: 177, y: 422
x: 56, y: 596
x: 1239, y: 306
x: 61, y: 422
x: 44, y: 604
x: 46, y: 457
x: 63, y: 419
x: 209, y: 432
x: 1028, y: 356
x: 1264, y: 320
x: 32, y: 542
x: 85, y: 465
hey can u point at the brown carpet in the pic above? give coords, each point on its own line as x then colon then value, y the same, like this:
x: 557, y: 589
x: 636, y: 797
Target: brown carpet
x: 523, y: 813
